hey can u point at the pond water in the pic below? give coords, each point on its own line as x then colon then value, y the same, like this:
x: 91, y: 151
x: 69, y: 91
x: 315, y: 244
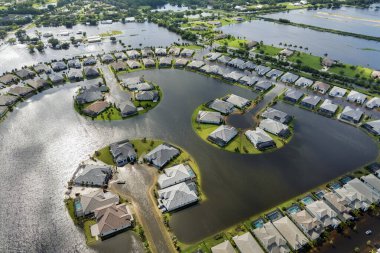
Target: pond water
x: 136, y: 35
x: 240, y: 121
x: 349, y: 19
x: 343, y: 48
x: 46, y: 139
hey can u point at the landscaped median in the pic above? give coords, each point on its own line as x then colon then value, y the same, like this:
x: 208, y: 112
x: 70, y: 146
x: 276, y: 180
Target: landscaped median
x: 239, y: 143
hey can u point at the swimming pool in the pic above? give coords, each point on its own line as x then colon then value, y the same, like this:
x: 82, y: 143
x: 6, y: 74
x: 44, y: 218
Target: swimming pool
x: 307, y: 200
x: 335, y: 186
x: 293, y: 209
x: 259, y: 223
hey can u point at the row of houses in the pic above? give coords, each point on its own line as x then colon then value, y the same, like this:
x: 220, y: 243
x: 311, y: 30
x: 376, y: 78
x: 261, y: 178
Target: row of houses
x: 33, y: 81
x: 306, y: 220
x: 290, y: 78
x: 352, y: 96
x: 177, y: 188
x: 325, y: 107
x: 77, y: 63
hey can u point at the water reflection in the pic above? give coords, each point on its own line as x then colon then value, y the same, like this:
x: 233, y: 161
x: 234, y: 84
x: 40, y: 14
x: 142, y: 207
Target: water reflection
x: 44, y: 140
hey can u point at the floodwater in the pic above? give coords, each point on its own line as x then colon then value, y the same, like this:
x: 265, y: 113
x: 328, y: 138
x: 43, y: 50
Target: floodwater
x: 135, y: 35
x: 349, y: 19
x: 343, y: 48
x: 357, y: 238
x: 43, y: 140
x: 240, y: 121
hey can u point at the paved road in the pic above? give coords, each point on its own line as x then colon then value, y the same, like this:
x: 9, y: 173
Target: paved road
x: 117, y: 94
x: 140, y: 180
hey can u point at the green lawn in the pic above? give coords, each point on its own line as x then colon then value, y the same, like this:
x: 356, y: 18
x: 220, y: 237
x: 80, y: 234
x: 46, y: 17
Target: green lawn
x: 306, y: 60
x: 87, y: 231
x: 193, y: 47
x: 110, y: 33
x: 105, y: 156
x: 71, y: 209
x: 232, y: 42
x: 268, y: 50
x: 112, y: 113
x: 352, y: 71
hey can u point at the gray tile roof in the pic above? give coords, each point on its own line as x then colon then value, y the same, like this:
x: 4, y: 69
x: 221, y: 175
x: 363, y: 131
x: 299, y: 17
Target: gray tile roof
x: 249, y: 80
x: 148, y: 62
x: 262, y: 70
x: 74, y: 63
x: 238, y: 101
x: 37, y: 83
x: 259, y: 138
x: 56, y: 78
x: 133, y: 80
x: 25, y: 73
x: 293, y: 94
x: 233, y: 76
x: 263, y: 85
x: 175, y: 175
x: 289, y: 77
x: 372, y: 126
x: 151, y: 95
x: 20, y: 91
x: 349, y: 113
x: 274, y: 73
x: 304, y: 82
x: 337, y: 92
x: 123, y: 153
x: 132, y: 64
x: 91, y: 72
x: 196, y: 64
x: 89, y: 61
x: 273, y: 126
x: 160, y: 51
x: 94, y: 175
x: 221, y: 106
x: 208, y: 117
x: 223, y: 135
x: 177, y: 196
x: 328, y: 106
x: 8, y: 79
x: 140, y: 86
x: 6, y: 100
x: 127, y: 108
x: 277, y: 115
x: 161, y: 155
x: 58, y: 66
x: 311, y: 100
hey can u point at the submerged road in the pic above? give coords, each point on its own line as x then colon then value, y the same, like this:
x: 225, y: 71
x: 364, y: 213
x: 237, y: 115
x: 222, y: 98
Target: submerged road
x: 45, y: 140
x: 140, y: 181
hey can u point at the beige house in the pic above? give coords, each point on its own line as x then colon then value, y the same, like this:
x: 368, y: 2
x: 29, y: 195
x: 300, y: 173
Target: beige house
x: 291, y: 233
x: 247, y: 244
x: 224, y: 247
x: 111, y: 219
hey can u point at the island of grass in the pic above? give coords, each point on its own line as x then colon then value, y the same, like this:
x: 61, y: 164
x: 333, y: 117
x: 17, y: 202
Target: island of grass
x: 112, y: 112
x: 110, y: 33
x: 144, y: 146
x: 239, y: 144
